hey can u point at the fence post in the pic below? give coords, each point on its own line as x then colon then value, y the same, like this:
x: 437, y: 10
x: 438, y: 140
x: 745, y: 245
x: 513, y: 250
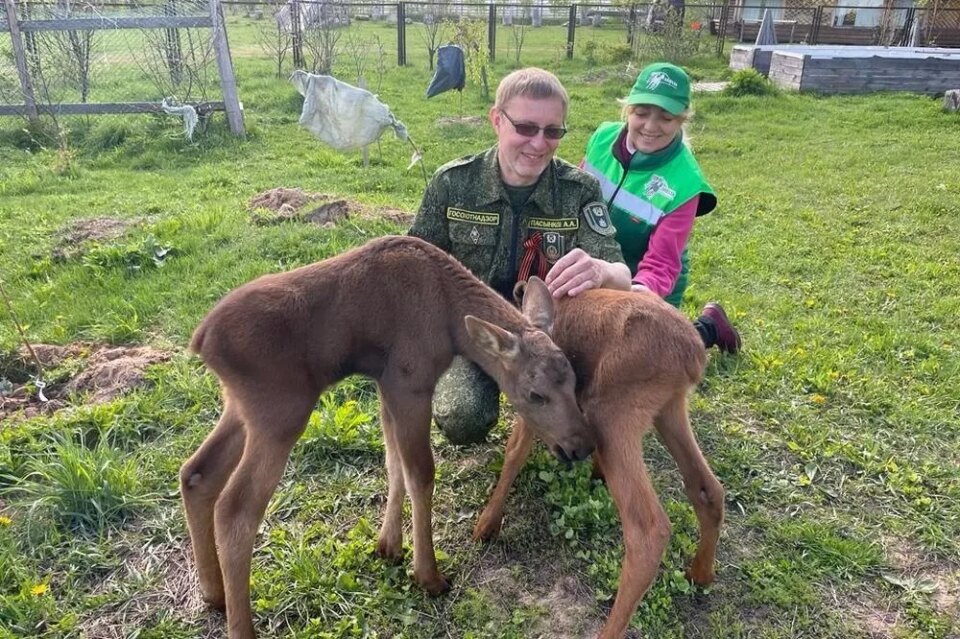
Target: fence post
x: 174, y: 50
x: 817, y: 17
x: 722, y: 27
x: 571, y: 30
x: 492, y: 31
x: 401, y: 34
x: 228, y: 81
x: 296, y: 36
x: 908, y: 27
x: 20, y: 58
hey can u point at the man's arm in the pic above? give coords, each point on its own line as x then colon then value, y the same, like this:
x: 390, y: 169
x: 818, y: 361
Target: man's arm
x: 430, y: 223
x: 597, y: 261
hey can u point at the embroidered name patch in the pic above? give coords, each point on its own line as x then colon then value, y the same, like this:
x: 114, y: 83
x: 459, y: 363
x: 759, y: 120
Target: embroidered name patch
x: 474, y: 217
x: 548, y: 224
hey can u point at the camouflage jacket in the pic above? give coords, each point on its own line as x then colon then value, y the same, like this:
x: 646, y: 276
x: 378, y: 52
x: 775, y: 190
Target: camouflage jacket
x: 466, y: 212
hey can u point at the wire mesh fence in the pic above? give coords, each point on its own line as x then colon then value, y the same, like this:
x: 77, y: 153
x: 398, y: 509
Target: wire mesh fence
x: 123, y: 59
x: 129, y: 58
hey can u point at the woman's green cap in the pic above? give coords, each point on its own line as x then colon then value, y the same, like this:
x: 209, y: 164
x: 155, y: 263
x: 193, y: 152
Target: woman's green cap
x: 664, y: 85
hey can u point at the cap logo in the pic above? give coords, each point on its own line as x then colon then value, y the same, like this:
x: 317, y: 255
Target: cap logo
x: 659, y: 77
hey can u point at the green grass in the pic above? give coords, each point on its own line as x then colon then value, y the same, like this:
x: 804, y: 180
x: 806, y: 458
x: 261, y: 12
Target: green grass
x: 835, y: 432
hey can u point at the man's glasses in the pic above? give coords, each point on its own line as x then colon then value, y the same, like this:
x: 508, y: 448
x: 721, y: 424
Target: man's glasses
x: 528, y: 130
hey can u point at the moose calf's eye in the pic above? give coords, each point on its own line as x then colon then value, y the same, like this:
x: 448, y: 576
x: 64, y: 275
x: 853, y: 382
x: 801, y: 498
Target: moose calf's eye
x: 537, y: 398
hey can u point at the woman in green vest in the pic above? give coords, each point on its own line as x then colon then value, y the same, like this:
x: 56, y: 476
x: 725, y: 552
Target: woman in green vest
x: 654, y: 190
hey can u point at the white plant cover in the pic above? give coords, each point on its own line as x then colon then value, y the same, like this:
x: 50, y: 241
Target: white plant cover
x: 342, y: 115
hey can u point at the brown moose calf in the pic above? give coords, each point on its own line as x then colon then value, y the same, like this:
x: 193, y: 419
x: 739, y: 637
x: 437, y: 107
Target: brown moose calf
x: 636, y: 358
x: 396, y: 309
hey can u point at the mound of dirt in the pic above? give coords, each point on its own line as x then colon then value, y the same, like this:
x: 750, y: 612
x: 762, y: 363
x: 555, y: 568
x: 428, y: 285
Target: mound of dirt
x: 283, y: 200
x: 330, y: 213
x: 107, y: 373
x: 296, y: 205
x: 112, y: 371
x: 70, y: 239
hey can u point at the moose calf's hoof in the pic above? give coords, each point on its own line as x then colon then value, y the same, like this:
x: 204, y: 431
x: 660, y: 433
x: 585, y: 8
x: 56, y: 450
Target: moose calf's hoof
x: 701, y: 576
x: 487, y: 528
x: 435, y: 586
x: 390, y: 552
x: 217, y: 602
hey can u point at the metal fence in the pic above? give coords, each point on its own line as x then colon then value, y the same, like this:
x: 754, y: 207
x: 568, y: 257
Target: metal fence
x: 134, y: 63
x: 524, y: 32
x: 87, y: 58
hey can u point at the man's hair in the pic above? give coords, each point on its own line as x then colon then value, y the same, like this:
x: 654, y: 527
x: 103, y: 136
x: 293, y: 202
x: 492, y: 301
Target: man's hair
x: 533, y: 83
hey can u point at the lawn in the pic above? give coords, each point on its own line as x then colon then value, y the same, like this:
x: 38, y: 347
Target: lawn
x: 836, y: 432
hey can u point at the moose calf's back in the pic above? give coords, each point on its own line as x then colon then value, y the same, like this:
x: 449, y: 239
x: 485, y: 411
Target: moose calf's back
x: 628, y: 337
x: 347, y: 312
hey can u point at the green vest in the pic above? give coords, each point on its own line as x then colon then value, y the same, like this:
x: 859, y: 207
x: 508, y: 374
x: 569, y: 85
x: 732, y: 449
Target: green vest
x: 654, y: 186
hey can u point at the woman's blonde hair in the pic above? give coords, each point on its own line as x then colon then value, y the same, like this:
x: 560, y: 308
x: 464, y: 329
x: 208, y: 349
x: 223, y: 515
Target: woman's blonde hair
x: 534, y: 83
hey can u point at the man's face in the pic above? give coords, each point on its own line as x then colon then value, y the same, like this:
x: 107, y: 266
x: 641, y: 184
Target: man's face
x: 523, y: 159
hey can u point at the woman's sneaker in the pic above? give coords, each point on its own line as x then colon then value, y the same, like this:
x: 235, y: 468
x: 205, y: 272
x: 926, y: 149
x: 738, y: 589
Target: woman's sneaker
x: 728, y: 339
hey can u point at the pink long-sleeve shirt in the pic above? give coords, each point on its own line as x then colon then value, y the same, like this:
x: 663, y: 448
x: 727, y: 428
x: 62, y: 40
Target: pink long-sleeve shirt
x: 660, y: 266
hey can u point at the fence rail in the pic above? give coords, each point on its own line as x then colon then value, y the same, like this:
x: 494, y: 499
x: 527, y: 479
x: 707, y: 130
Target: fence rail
x: 52, y: 46
x: 90, y: 56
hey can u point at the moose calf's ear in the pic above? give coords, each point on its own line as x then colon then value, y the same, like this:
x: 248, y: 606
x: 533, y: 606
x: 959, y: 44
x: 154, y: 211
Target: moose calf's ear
x: 518, y: 290
x: 496, y: 341
x: 538, y: 304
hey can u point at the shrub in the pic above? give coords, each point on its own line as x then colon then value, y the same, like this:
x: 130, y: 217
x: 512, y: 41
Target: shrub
x: 749, y: 82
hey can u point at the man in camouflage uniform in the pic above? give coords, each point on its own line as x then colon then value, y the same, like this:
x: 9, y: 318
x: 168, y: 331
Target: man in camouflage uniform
x: 511, y: 212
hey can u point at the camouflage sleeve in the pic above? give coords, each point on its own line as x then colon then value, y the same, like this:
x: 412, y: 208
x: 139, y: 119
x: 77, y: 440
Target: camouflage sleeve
x: 597, y: 235
x: 430, y: 223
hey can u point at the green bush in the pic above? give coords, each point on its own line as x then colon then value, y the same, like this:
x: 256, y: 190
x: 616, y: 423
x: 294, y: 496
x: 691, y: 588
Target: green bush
x: 749, y: 82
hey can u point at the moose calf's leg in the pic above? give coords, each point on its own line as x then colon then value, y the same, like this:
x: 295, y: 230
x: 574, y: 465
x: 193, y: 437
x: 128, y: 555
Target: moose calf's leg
x: 412, y: 436
x: 518, y: 449
x: 202, y: 478
x: 391, y: 531
x: 273, y: 426
x: 646, y: 528
x: 704, y: 491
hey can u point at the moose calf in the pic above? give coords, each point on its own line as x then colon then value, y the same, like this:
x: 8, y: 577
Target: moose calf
x: 636, y: 358
x: 396, y: 309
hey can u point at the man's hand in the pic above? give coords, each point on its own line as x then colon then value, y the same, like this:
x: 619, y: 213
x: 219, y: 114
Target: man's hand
x: 577, y: 272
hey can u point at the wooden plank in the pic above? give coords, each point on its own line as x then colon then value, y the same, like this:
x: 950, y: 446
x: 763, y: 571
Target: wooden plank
x: 99, y: 109
x: 228, y: 81
x: 20, y: 59
x: 101, y: 23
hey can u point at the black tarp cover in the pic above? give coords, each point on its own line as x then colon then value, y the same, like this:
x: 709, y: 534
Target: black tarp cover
x: 450, y: 73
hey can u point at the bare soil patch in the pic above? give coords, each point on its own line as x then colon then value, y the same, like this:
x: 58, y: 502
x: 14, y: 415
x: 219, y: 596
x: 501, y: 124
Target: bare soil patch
x: 72, y: 238
x: 105, y: 372
x: 568, y: 606
x: 927, y: 572
x: 467, y: 120
x: 174, y: 586
x: 283, y: 200
x: 296, y: 205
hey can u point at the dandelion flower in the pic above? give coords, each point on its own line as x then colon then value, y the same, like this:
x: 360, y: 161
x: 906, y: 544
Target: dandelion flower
x: 5, y: 521
x: 39, y: 590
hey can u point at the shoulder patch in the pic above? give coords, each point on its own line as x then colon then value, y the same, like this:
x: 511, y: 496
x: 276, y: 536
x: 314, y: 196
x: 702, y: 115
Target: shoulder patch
x: 598, y: 218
